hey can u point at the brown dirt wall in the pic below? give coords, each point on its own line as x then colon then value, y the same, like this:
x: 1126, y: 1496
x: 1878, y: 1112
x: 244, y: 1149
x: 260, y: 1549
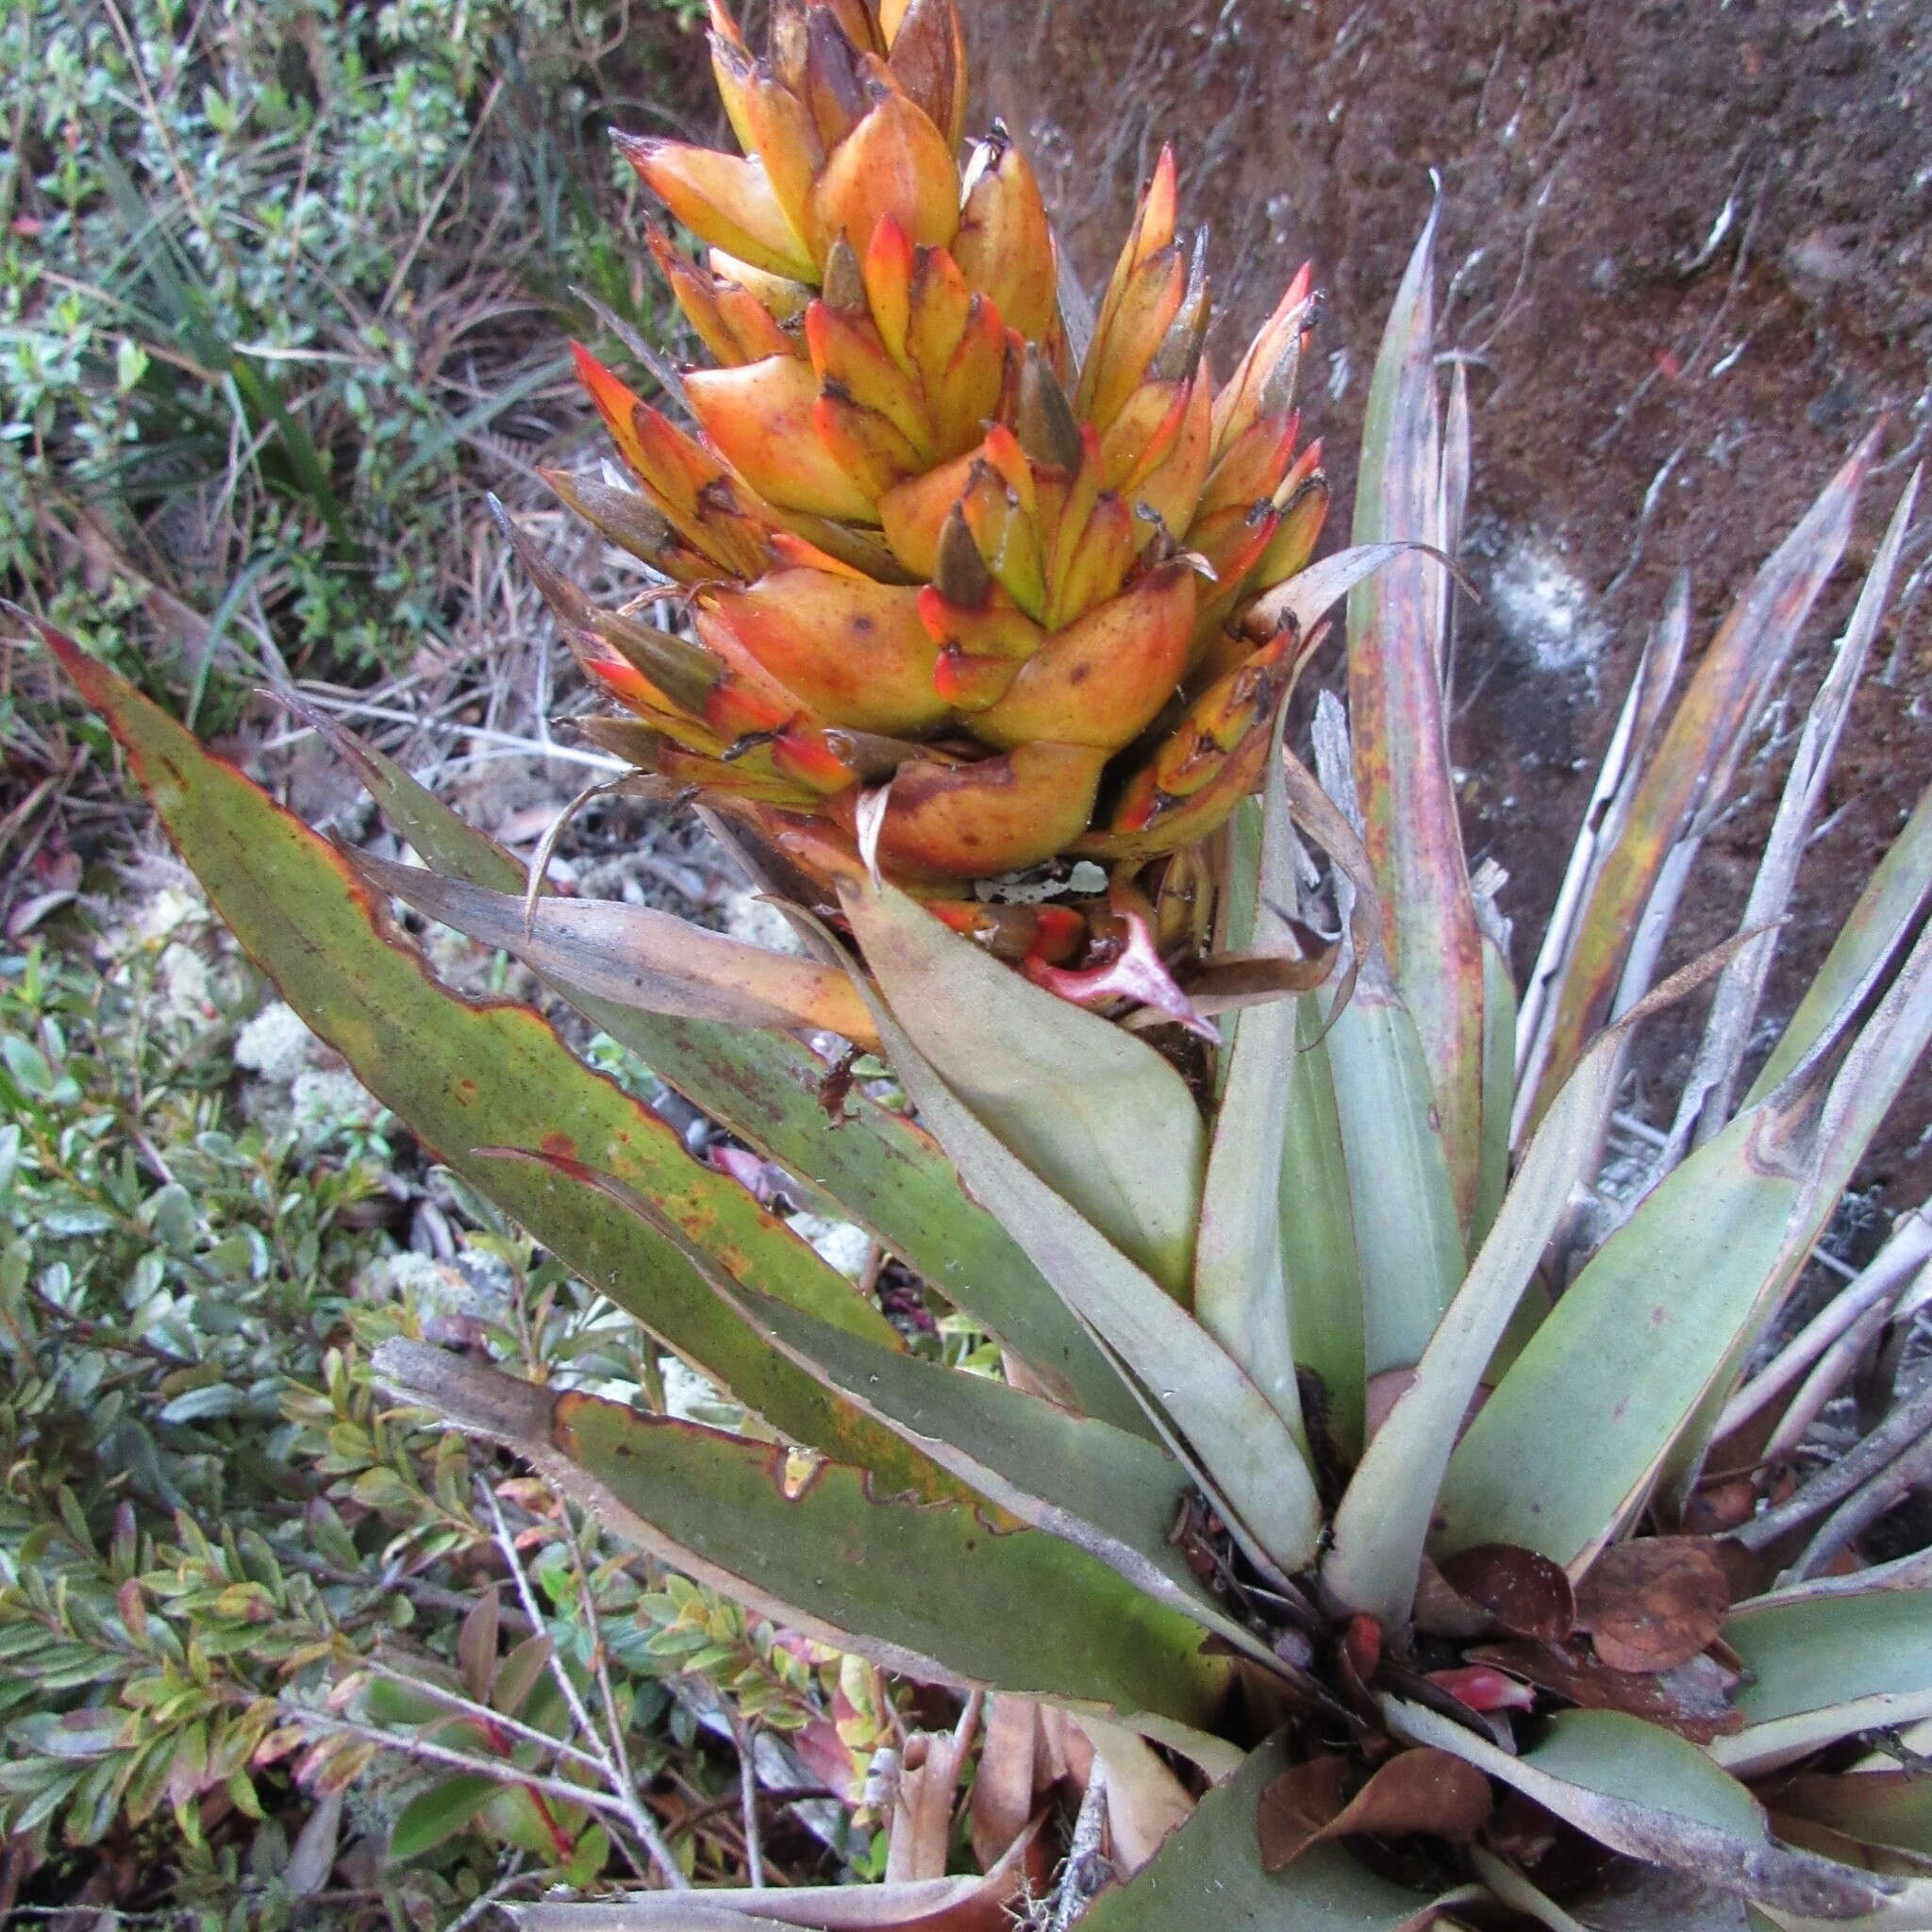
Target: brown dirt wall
x: 1686, y: 250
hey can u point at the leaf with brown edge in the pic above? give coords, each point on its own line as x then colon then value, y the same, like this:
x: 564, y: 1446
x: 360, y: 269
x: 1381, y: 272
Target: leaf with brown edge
x: 1526, y: 1594
x: 945, y: 1593
x: 1109, y: 1493
x: 885, y: 1171
x: 635, y: 957
x: 1654, y: 1603
x: 1415, y: 1792
x: 464, y: 1073
x: 1694, y: 1700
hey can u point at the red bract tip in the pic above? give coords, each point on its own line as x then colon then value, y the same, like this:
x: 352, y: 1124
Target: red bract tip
x: 1484, y: 1689
x: 1138, y: 972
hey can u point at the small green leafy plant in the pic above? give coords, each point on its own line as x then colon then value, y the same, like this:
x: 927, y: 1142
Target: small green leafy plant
x: 226, y: 1575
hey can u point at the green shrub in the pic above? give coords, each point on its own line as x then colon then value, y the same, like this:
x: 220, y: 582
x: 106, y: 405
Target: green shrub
x: 272, y: 281
x: 226, y: 1572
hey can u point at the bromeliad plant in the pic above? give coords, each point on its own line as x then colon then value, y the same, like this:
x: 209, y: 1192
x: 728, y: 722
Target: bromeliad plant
x: 1362, y: 1477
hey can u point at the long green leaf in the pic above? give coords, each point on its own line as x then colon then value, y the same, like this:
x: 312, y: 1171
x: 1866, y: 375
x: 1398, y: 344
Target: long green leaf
x: 1210, y: 1873
x: 886, y: 1172
x: 1402, y: 1196
x: 1820, y: 1670
x: 1115, y: 1495
x: 1710, y: 1091
x: 943, y: 1592
x: 1247, y: 1451
x: 1321, y: 1271
x: 1499, y: 1085
x: 1397, y: 625
x: 1407, y: 1235
x: 1594, y: 1402
x: 467, y: 1074
x: 1867, y: 1082
x: 1095, y: 1113
x: 1375, y: 1553
x: 1891, y: 900
x: 1604, y: 815
x: 1889, y: 1804
x: 1633, y: 1364
x: 1646, y: 1792
x: 1240, y: 1297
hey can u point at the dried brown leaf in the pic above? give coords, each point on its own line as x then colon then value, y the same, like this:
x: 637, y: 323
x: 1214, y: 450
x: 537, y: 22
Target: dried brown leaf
x: 1526, y: 1594
x: 1693, y: 1699
x: 1427, y: 1791
x: 1653, y: 1604
x: 1003, y: 1790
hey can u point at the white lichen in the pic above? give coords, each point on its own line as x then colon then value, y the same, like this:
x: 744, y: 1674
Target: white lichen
x: 1545, y: 609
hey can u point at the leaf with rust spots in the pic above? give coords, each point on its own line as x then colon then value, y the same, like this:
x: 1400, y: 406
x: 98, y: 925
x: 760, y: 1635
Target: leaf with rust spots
x: 918, y: 1587
x: 1694, y: 1700
x: 890, y: 1174
x: 1417, y: 1792
x: 1527, y: 1595
x: 1654, y: 1603
x: 465, y: 1073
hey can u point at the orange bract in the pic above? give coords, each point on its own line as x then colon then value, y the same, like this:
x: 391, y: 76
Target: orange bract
x: 934, y: 542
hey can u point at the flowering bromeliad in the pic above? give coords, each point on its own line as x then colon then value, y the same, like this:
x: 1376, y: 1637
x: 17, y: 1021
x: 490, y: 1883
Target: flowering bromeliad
x: 1408, y: 1548
x: 939, y: 552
